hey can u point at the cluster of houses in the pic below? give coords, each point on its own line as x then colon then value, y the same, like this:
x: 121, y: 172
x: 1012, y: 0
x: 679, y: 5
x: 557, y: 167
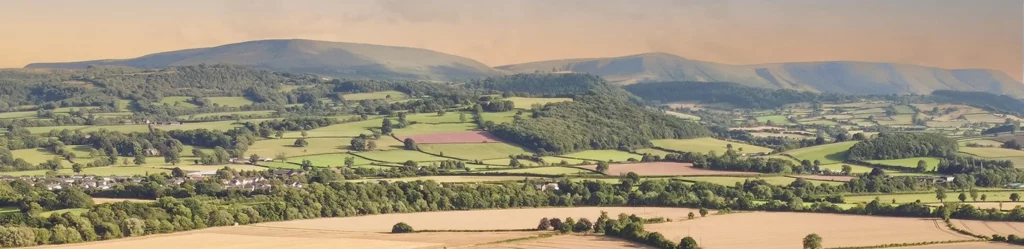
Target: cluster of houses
x: 247, y: 161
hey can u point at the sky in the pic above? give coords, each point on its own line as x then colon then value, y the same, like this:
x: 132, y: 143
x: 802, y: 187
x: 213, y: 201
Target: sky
x: 940, y: 33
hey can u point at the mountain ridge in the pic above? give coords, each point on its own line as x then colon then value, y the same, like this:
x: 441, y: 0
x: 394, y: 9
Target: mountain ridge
x: 824, y: 76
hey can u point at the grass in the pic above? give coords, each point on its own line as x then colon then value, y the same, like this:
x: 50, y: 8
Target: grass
x: 527, y: 103
x: 17, y: 115
x: 75, y: 211
x: 350, y: 129
x: 548, y: 171
x: 908, y: 162
x: 447, y: 179
x: 231, y: 101
x: 731, y: 181
x: 100, y: 171
x: 501, y: 117
x: 603, y: 155
x: 506, y: 161
x: 682, y: 115
x: 827, y: 154
x: 47, y: 129
x: 280, y: 165
x: 37, y: 156
x: 951, y: 195
x: 399, y: 156
x: 653, y: 151
x: 9, y: 210
x: 395, y: 95
x: 178, y: 100
x: 325, y: 160
x: 704, y: 145
x: 271, y: 147
x: 856, y: 169
x: 218, y: 114
x: 417, y: 129
x: 558, y: 160
x: 474, y: 151
x: 992, y: 152
x: 433, y: 118
x: 776, y: 120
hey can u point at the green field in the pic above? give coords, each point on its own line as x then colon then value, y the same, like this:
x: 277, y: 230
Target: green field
x: 395, y: 95
x: 527, y: 103
x: 47, y: 129
x: 557, y: 160
x: 704, y: 145
x: 218, y: 114
x: 37, y: 156
x: 350, y: 129
x: 548, y: 171
x: 991, y: 152
x: 192, y: 168
x: 475, y: 151
x: 178, y: 101
x: 400, y: 156
x: 951, y: 196
x: 17, y: 115
x: 827, y: 154
x: 603, y: 155
x: 682, y: 115
x: 501, y: 117
x: 447, y: 179
x: 271, y: 147
x: 776, y: 120
x: 324, y: 160
x: 230, y: 101
x: 653, y: 151
x: 908, y: 162
x: 433, y: 118
x: 856, y: 169
x: 281, y: 165
x: 100, y: 171
x: 417, y: 129
x: 730, y: 181
x: 507, y: 161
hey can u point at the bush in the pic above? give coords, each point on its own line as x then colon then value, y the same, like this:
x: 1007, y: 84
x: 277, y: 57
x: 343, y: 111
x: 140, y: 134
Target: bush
x: 401, y: 227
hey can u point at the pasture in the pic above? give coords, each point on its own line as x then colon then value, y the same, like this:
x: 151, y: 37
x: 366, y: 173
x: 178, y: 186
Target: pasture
x: 271, y: 147
x: 991, y: 152
x: 478, y: 151
x: 98, y: 171
x: 399, y: 156
x: 326, y: 160
x: 704, y: 145
x: 220, y: 114
x: 386, y: 95
x: 761, y: 230
x: 827, y: 153
x: 418, y: 129
x: 453, y: 137
x: 181, y: 101
x: 37, y: 156
x: 5, y: 115
x: 433, y: 118
x: 908, y: 162
x: 230, y: 101
x: 501, y: 117
x: 445, y: 179
x: 603, y: 155
x: 662, y: 169
x: 775, y: 119
x: 349, y: 129
x: 548, y: 171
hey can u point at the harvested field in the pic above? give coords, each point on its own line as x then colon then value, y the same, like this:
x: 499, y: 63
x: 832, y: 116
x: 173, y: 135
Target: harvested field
x: 990, y: 227
x: 478, y: 151
x: 453, y: 137
x: 988, y: 205
x: 216, y: 240
x: 497, y: 219
x: 760, y: 230
x: 568, y: 242
x: 951, y: 195
x: 971, y: 245
x: 662, y: 169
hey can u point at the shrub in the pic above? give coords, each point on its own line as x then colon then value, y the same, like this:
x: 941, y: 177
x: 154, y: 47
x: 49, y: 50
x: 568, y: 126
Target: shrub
x: 401, y: 227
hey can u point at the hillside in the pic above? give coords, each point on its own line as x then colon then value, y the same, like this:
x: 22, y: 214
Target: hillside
x: 840, y: 76
x: 334, y: 59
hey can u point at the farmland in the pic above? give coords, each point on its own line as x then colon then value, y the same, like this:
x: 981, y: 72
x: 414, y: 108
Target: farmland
x: 761, y: 230
x: 418, y: 129
x: 388, y: 95
x: 827, y: 154
x: 526, y: 103
x: 453, y: 137
x: 908, y: 162
x: 930, y: 197
x: 603, y: 155
x: 662, y: 169
x: 478, y: 151
x: 704, y: 145
x: 399, y: 156
x: 271, y: 147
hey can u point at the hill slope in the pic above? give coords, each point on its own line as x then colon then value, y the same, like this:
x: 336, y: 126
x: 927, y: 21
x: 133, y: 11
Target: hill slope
x: 843, y: 77
x: 335, y: 59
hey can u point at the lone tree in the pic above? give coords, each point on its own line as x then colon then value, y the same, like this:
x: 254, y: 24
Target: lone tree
x: 688, y: 243
x: 974, y: 194
x: 602, y: 166
x: 922, y: 166
x: 301, y: 142
x: 410, y: 144
x: 983, y: 197
x: 401, y: 227
x: 703, y: 212
x: 690, y: 216
x: 1014, y: 197
x: 940, y: 194
x: 962, y: 197
x: 812, y: 241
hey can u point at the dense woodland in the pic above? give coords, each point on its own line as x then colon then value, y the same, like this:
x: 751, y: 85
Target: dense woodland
x: 903, y: 145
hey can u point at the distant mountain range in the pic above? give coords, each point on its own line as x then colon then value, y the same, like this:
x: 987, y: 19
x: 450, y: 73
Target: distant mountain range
x: 365, y: 61
x: 333, y: 59
x: 831, y: 76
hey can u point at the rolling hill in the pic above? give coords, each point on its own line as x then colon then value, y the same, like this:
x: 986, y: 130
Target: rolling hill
x: 333, y: 59
x: 838, y: 76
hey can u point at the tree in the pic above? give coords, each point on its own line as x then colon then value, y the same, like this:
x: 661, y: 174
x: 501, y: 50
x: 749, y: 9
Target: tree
x: 962, y: 197
x: 602, y: 166
x: 371, y: 145
x: 280, y: 157
x: 688, y: 243
x: 410, y: 144
x: 349, y: 161
x: 307, y: 165
x: 301, y: 142
x: 922, y: 166
x: 812, y: 241
x: 254, y: 158
x: 1014, y: 197
x: 279, y: 134
x: 513, y: 162
x: 77, y: 168
x: 847, y: 169
x: 544, y: 224
x: 401, y: 227
x: 555, y: 223
x: 385, y: 127
x: 583, y: 225
x: 462, y: 117
x: 940, y: 194
x: 690, y: 216
x: 859, y: 136
x: 172, y: 156
x: 983, y: 197
x: 177, y: 172
x: 304, y: 134
x: 703, y: 212
x: 974, y: 194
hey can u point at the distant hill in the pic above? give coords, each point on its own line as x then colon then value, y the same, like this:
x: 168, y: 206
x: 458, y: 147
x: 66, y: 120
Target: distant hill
x: 333, y: 59
x: 839, y: 76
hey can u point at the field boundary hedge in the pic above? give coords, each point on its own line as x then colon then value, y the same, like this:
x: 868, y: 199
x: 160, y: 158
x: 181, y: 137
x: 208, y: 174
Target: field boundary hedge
x: 907, y: 244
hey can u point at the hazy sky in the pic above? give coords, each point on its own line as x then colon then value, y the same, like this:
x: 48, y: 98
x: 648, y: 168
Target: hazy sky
x: 942, y: 33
